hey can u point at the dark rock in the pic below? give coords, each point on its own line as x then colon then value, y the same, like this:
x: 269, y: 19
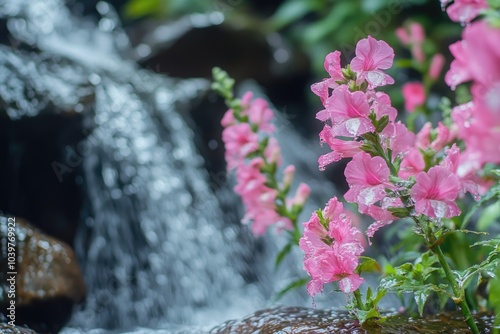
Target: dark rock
x: 48, y: 280
x: 298, y: 320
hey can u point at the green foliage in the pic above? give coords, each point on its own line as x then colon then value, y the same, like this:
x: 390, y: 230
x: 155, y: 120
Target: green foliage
x: 417, y: 278
x: 164, y: 8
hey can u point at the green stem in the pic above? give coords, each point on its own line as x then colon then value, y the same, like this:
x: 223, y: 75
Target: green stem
x: 459, y: 294
x: 359, y: 301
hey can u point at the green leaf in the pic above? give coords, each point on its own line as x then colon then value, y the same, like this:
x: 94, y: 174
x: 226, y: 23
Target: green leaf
x: 399, y: 212
x: 420, y: 298
x: 139, y: 8
x: 289, y: 12
x: 489, y: 215
x: 281, y: 255
x: 364, y: 316
x: 368, y: 265
x: 294, y: 285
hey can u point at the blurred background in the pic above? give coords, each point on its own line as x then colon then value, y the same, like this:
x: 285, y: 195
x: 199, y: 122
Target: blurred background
x: 112, y: 147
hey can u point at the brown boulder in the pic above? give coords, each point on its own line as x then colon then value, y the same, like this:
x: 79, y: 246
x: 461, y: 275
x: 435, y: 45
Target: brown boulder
x: 48, y: 280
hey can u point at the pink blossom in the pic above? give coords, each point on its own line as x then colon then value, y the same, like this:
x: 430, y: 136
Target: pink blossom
x: 332, y: 247
x: 436, y: 66
x: 372, y: 56
x: 424, y: 136
x: 332, y: 66
x: 403, y: 35
x: 464, y: 11
x: 382, y: 106
x: 443, y: 137
x: 260, y: 114
x: 333, y: 209
x: 288, y: 175
x: 336, y: 264
x: 249, y: 178
x: 301, y: 195
x: 412, y: 164
x: 272, y: 152
x: 414, y: 95
x: 228, y: 119
x: 435, y: 193
x: 340, y: 148
x: 367, y: 178
x: 349, y: 113
x: 397, y: 137
x: 239, y: 140
x: 476, y: 56
x: 312, y: 240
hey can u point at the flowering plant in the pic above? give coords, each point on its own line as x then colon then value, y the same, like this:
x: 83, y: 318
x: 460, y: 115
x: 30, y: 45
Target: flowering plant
x: 394, y: 173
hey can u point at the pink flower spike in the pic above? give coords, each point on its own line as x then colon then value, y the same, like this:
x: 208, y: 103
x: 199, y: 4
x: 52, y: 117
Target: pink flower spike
x: 372, y: 56
x: 349, y: 112
x: 414, y: 95
x: 435, y: 193
x: 436, y: 66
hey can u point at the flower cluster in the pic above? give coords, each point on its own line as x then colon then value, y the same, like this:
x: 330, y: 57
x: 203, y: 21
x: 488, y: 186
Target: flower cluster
x: 332, y: 247
x: 255, y: 155
x: 477, y: 59
x: 392, y: 170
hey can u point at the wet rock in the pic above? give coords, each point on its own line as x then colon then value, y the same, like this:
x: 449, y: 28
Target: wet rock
x: 298, y: 320
x: 48, y: 279
x: 8, y: 329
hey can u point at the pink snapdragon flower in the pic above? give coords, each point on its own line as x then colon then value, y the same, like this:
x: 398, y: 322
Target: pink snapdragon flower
x: 435, y: 193
x: 367, y: 178
x: 340, y: 148
x: 464, y: 11
x: 349, y: 112
x: 412, y: 164
x: 239, y: 140
x: 372, y: 57
x: 332, y: 248
x: 332, y: 66
x: 414, y: 95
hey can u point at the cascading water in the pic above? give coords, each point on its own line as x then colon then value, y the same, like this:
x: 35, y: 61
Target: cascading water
x: 156, y: 248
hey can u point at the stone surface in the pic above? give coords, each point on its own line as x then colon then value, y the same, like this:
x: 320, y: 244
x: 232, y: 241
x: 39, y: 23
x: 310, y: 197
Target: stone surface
x: 299, y: 320
x: 48, y: 279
